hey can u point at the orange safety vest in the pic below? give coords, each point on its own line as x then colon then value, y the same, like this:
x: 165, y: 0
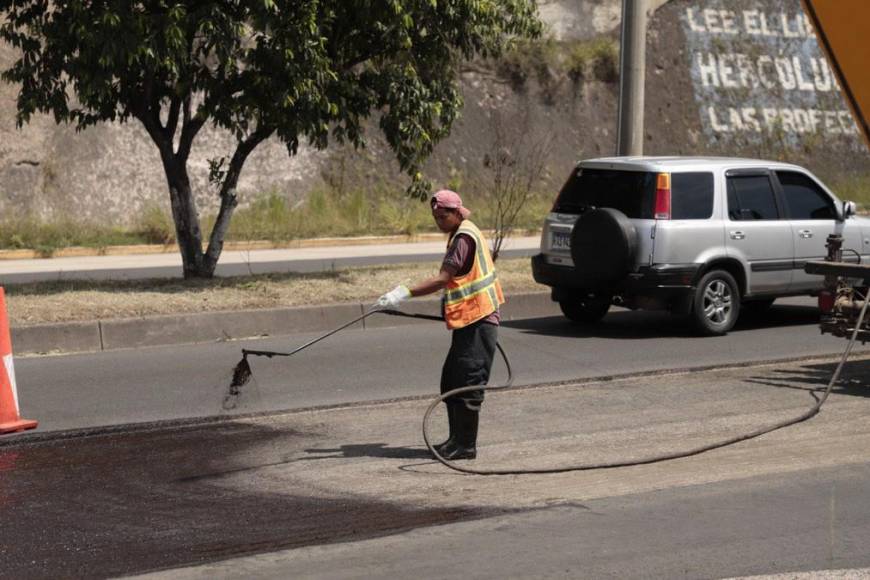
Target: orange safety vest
x: 477, y: 294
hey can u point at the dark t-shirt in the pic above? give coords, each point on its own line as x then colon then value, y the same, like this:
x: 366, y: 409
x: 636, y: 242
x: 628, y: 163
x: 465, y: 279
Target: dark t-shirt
x: 460, y: 259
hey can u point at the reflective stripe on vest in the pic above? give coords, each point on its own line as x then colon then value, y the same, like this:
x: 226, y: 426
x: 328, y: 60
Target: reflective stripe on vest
x: 471, y: 288
x: 477, y: 294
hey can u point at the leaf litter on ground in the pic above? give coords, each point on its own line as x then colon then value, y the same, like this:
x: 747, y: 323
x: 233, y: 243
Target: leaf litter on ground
x: 74, y: 300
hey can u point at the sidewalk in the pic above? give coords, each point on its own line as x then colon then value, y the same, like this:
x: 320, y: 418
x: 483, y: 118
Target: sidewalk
x: 241, y: 262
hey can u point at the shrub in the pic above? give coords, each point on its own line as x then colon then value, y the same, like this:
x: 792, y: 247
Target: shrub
x: 853, y: 188
x: 538, y: 58
x: 597, y: 59
x: 46, y: 237
x: 155, y: 225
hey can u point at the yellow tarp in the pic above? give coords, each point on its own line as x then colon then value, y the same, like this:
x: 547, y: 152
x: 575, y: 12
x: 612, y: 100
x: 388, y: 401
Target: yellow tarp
x: 843, y: 30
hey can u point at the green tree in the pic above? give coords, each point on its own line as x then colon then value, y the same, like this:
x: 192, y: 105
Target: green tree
x: 294, y: 69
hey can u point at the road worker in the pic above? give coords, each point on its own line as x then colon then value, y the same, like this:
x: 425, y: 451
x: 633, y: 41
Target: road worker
x: 470, y: 305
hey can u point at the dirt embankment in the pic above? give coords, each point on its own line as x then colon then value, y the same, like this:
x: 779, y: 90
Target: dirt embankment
x: 746, y: 78
x: 736, y: 77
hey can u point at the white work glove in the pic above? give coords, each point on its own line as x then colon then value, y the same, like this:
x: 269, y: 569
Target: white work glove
x: 395, y: 296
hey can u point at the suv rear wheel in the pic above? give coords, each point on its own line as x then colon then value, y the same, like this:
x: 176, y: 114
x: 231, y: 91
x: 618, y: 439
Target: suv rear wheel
x: 585, y: 309
x: 716, y: 304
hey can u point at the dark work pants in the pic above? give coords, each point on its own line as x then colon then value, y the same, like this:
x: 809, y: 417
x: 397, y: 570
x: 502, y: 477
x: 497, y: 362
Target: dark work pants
x: 469, y: 361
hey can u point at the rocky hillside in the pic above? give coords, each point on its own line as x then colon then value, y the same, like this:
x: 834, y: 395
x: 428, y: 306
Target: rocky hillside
x: 724, y: 77
x: 740, y: 77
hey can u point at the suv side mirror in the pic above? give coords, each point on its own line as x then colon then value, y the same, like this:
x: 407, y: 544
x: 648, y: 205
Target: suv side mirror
x: 849, y: 209
x: 844, y: 211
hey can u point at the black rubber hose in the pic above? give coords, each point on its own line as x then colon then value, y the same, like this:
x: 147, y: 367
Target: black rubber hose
x: 582, y: 466
x: 652, y: 459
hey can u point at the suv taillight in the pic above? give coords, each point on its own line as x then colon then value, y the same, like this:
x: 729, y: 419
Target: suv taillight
x: 663, y: 197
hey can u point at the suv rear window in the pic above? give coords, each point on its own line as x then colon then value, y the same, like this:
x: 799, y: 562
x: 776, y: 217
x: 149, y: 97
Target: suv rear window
x: 691, y: 196
x: 750, y: 197
x: 631, y: 192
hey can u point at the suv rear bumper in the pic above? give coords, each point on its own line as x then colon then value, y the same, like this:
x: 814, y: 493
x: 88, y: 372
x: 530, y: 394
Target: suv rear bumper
x: 665, y: 281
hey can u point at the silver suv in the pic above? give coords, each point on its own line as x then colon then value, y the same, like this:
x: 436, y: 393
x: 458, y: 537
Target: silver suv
x: 699, y: 236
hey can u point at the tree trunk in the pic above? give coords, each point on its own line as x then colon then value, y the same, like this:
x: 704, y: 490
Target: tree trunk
x: 186, y: 218
x: 229, y: 201
x: 184, y: 212
x: 195, y: 262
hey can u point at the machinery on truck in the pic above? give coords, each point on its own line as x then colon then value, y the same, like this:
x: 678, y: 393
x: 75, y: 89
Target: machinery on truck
x: 839, y: 26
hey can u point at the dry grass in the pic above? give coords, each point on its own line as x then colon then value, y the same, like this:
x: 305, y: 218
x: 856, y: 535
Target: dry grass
x: 82, y: 300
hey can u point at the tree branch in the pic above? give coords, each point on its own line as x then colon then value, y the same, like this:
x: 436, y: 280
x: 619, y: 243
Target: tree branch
x: 376, y: 46
x: 243, y: 149
x: 172, y: 121
x: 229, y: 201
x: 143, y: 112
x: 190, y: 126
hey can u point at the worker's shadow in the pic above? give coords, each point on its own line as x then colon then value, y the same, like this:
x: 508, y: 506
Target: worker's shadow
x: 340, y: 452
x: 368, y: 450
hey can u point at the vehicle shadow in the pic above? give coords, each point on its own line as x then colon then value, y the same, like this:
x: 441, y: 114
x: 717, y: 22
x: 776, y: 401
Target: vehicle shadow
x: 778, y: 315
x: 854, y: 379
x: 626, y: 324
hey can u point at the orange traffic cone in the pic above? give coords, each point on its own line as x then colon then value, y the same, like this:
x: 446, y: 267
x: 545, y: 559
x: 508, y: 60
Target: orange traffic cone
x: 10, y: 419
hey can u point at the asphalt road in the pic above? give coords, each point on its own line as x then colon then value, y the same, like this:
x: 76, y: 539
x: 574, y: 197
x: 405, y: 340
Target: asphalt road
x: 350, y: 492
x: 110, y: 388
x: 802, y: 524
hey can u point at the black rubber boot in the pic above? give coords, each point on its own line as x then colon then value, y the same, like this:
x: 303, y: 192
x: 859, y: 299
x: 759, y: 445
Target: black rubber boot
x: 451, y: 421
x: 465, y: 445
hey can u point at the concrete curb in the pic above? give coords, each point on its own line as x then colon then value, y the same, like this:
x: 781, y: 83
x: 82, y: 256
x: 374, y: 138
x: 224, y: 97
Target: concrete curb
x: 113, y: 334
x: 62, y: 337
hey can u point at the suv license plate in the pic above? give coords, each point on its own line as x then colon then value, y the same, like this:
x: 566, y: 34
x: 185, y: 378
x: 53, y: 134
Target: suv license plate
x: 561, y: 241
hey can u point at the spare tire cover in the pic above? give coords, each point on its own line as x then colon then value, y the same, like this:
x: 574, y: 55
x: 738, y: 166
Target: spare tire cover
x: 603, y: 246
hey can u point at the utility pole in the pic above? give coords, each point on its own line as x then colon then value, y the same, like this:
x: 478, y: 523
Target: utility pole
x: 632, y: 72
